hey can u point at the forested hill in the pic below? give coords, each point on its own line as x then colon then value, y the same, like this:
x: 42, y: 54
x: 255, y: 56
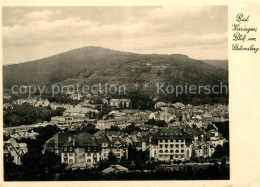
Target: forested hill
x: 90, y: 65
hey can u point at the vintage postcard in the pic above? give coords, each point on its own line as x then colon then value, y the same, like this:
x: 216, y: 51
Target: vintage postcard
x: 148, y: 93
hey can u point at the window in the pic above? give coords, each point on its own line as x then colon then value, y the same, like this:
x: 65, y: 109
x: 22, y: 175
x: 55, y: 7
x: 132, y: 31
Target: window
x: 117, y: 149
x: 71, y: 154
x: 65, y: 154
x: 182, y: 145
x: 89, y: 154
x: 177, y: 151
x: 171, y: 145
x: 166, y: 151
x: 166, y: 141
x: 177, y: 145
x: 65, y: 149
x: 105, y: 155
x: 70, y: 148
x: 117, y: 155
x: 161, y: 146
x: 182, y: 151
x: 171, y: 151
x: 171, y: 140
x: 89, y: 160
x: 70, y: 161
x: 166, y: 146
x: 161, y: 151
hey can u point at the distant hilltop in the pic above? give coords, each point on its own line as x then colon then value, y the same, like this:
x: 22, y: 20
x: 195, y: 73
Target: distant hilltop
x: 92, y: 65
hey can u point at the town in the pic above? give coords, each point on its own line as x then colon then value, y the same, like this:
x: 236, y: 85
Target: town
x: 112, y: 137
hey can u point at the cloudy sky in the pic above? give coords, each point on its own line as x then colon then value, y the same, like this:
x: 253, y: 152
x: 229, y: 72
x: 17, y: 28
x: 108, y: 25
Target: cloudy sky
x: 31, y: 33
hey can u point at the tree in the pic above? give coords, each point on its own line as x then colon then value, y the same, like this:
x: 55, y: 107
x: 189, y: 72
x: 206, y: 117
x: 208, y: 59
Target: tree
x: 131, y: 128
x: 219, y: 152
x: 115, y: 128
x: 112, y: 158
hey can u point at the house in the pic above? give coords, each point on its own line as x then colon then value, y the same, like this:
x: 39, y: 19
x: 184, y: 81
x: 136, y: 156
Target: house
x: 75, y: 96
x: 24, y: 134
x: 115, y: 144
x: 216, y: 138
x: 204, y: 149
x: 162, y: 115
x: 179, y: 105
x: 120, y: 103
x: 115, y: 169
x: 207, y: 117
x: 42, y: 103
x: 81, y: 150
x: 16, y: 150
x: 8, y: 105
x: 160, y: 104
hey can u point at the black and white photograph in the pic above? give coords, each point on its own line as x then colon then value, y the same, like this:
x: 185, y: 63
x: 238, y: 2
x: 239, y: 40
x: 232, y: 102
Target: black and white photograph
x: 115, y: 93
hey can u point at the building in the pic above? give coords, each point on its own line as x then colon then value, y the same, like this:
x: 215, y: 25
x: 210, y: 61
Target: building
x: 15, y: 150
x: 24, y: 134
x: 162, y: 115
x: 54, y: 106
x: 55, y: 143
x: 171, y: 144
x: 120, y: 103
x: 78, y: 111
x: 61, y: 119
x: 42, y: 103
x: 204, y: 149
x: 207, y: 117
x: 117, y: 146
x: 107, y: 124
x: 115, y: 169
x: 81, y: 150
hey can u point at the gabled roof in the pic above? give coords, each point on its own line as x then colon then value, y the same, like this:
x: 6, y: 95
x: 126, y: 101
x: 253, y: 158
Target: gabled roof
x: 84, y: 139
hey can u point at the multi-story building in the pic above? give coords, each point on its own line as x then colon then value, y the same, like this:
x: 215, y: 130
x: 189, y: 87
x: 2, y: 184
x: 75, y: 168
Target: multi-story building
x: 171, y: 144
x: 204, y: 149
x: 120, y: 103
x: 117, y: 146
x: 82, y: 149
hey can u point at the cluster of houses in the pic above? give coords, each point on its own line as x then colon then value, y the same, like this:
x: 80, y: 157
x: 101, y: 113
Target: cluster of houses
x: 83, y: 150
x: 37, y: 102
x: 183, y: 135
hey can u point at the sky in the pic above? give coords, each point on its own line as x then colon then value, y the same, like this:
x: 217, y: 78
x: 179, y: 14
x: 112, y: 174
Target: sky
x: 31, y: 33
